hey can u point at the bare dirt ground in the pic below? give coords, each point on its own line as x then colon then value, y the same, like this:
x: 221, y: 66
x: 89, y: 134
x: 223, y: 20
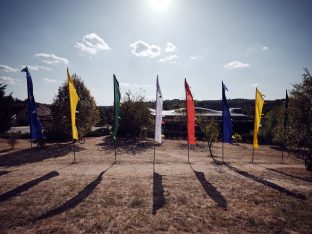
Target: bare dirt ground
x: 42, y: 191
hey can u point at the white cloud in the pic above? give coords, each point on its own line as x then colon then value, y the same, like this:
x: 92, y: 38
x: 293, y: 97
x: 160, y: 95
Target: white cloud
x: 137, y: 86
x: 199, y: 57
x: 91, y: 43
x: 8, y: 80
x: 36, y: 67
x: 143, y: 49
x: 170, y: 59
x: 264, y: 48
x: 170, y: 47
x: 236, y: 64
x: 50, y: 80
x: 51, y: 58
x: 5, y: 68
x: 254, y: 85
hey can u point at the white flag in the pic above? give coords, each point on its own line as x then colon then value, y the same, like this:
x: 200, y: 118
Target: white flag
x: 158, y: 116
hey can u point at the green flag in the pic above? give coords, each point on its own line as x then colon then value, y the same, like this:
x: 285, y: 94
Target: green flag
x: 116, y: 106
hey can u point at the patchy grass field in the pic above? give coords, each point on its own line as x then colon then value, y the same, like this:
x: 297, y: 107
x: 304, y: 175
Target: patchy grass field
x: 43, y: 191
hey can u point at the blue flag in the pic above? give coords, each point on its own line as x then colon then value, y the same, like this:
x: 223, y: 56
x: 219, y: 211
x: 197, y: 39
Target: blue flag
x: 226, y: 119
x: 34, y: 122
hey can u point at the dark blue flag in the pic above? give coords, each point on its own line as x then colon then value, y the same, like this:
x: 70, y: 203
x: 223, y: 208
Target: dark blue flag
x: 226, y: 118
x: 34, y: 122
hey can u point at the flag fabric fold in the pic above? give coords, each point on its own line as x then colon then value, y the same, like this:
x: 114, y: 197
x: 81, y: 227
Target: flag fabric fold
x: 158, y: 114
x: 116, y: 107
x: 226, y: 118
x: 34, y: 122
x: 190, y: 115
x: 257, y: 119
x: 73, y: 101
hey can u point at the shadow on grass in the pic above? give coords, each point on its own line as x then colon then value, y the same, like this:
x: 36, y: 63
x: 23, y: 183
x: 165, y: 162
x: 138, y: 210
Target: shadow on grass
x: 24, y: 187
x: 71, y: 203
x: 263, y: 181
x: 158, y: 193
x: 3, y: 172
x: 36, y: 154
x: 293, y: 176
x: 125, y: 145
x: 210, y: 189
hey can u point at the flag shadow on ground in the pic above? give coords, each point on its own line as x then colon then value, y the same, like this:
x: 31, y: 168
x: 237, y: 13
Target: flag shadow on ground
x: 263, y: 181
x: 211, y: 191
x: 37, y: 154
x: 24, y: 187
x: 158, y: 193
x: 71, y: 203
x: 293, y: 176
x: 126, y: 145
x: 3, y: 172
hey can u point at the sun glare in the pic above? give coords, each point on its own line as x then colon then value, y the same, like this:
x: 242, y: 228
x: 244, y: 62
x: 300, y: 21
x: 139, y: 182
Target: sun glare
x: 160, y: 5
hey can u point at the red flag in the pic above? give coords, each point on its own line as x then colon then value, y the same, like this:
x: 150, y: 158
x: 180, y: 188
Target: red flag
x: 190, y: 114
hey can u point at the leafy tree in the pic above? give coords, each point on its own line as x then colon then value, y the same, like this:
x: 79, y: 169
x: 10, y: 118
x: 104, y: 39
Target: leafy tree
x: 300, y: 113
x: 6, y: 103
x: 210, y: 129
x: 87, y: 112
x: 135, y: 117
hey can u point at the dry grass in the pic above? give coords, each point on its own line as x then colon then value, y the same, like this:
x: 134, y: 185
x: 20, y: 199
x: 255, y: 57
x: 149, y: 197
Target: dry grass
x: 42, y: 191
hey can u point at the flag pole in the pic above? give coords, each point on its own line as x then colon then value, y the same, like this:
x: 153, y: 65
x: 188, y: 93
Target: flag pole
x: 115, y: 146
x: 74, y: 151
x: 154, y: 157
x: 188, y: 153
x: 253, y: 153
x: 222, y: 151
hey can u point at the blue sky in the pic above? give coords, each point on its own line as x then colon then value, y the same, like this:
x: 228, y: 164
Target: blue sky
x: 245, y: 43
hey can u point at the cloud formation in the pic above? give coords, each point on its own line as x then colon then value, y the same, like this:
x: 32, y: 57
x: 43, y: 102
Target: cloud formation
x: 236, y: 64
x: 143, y: 49
x: 264, y: 48
x: 170, y: 47
x: 92, y: 43
x: 8, y: 80
x: 36, y: 67
x: 169, y: 59
x: 51, y: 58
x: 50, y: 80
x: 5, y: 68
x: 199, y: 57
x: 137, y: 86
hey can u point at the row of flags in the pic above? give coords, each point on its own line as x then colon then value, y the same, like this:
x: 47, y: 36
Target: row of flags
x: 36, y: 126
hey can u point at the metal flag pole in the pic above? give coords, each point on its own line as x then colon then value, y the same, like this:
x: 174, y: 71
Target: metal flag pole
x: 74, y: 151
x: 222, y: 152
x: 115, y: 152
x: 253, y: 153
x: 188, y: 153
x: 154, y: 157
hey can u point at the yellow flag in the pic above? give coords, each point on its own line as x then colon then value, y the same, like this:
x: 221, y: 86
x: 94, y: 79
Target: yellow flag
x: 73, y: 100
x: 257, y: 120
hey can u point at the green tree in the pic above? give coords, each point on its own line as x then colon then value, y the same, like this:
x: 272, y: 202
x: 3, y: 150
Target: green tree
x: 87, y: 112
x: 210, y: 129
x: 135, y: 117
x: 6, y: 103
x: 300, y: 113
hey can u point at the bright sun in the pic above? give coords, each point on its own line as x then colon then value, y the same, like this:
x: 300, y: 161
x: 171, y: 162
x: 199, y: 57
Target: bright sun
x: 160, y: 5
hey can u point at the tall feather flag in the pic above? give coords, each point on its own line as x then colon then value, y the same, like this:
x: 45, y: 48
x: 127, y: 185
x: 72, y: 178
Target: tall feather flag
x: 158, y: 117
x: 258, y: 112
x: 73, y: 101
x: 226, y: 118
x: 34, y: 122
x: 190, y: 114
x: 116, y: 107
